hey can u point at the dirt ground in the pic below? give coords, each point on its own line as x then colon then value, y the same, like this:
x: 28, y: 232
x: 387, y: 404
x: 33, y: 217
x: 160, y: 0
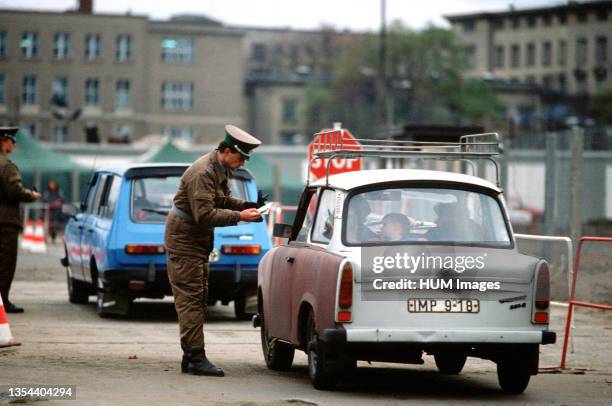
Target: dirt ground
x: 136, y: 361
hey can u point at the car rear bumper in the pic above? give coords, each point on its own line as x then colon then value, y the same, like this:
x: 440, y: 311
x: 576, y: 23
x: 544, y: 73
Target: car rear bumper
x: 137, y: 282
x: 362, y: 335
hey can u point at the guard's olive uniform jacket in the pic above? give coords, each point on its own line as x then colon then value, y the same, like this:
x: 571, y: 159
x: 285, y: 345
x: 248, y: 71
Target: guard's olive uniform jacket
x: 204, y: 196
x: 12, y: 193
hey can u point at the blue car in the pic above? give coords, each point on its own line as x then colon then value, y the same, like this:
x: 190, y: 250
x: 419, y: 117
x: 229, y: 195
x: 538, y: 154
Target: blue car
x: 115, y: 244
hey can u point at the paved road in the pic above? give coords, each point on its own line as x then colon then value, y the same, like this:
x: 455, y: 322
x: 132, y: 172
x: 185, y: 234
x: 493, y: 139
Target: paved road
x: 136, y: 361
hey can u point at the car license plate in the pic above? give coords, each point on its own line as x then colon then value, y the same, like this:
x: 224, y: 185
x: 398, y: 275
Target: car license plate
x: 443, y: 305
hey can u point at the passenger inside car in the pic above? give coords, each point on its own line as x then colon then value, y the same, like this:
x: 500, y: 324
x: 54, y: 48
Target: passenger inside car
x: 453, y: 225
x: 357, y: 231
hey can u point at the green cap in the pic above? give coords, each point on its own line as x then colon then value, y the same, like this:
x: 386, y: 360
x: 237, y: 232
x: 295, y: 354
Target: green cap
x: 9, y: 132
x: 240, y: 140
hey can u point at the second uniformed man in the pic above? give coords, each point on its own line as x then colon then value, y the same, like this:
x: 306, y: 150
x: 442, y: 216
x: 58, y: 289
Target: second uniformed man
x: 12, y: 193
x: 202, y: 202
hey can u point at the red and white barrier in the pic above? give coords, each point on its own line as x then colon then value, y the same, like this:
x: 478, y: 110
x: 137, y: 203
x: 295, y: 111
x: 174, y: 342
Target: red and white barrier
x: 28, y: 236
x: 38, y: 244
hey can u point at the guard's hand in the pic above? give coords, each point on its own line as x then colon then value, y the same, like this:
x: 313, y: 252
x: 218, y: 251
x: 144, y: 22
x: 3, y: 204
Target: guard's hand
x: 36, y: 195
x: 250, y: 215
x: 261, y: 198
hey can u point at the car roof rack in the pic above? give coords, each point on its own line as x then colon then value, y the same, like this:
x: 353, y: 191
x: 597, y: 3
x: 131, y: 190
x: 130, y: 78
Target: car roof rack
x: 330, y: 144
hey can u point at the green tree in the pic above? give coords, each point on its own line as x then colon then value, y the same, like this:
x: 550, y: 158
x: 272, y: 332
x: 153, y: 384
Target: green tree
x: 424, y: 84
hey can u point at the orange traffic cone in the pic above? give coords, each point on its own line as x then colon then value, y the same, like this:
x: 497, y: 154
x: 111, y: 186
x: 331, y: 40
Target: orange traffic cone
x: 38, y: 242
x: 28, y: 236
x: 6, y: 338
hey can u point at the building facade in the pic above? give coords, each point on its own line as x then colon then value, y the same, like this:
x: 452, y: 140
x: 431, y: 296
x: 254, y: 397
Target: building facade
x: 564, y: 48
x: 118, y: 77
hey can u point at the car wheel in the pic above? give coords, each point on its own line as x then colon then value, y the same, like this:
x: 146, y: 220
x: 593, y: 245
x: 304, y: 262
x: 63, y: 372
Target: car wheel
x: 278, y: 355
x: 321, y: 376
x: 78, y: 291
x: 240, y: 303
x: 450, y: 362
x: 513, y: 376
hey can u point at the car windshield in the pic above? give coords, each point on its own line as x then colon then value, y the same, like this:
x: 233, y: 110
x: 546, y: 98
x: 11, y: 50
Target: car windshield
x: 425, y: 215
x: 152, y: 197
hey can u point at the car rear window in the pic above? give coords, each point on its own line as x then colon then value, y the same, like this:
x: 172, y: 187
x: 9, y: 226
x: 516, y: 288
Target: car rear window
x: 152, y: 198
x: 425, y: 215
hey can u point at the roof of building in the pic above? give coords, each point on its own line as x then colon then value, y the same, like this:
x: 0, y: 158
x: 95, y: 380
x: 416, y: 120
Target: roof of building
x: 570, y: 6
x: 351, y: 180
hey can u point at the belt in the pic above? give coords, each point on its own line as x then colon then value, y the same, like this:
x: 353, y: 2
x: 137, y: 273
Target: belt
x: 182, y: 215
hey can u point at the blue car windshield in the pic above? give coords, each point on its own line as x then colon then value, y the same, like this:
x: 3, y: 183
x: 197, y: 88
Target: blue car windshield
x: 152, y: 197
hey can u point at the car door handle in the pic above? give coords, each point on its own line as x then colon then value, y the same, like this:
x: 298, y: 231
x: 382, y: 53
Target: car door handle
x: 90, y: 230
x: 290, y: 259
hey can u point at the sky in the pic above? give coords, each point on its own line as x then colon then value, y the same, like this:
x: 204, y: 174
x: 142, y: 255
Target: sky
x: 356, y: 15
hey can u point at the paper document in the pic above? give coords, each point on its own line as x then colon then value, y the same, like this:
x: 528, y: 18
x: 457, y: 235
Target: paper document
x: 265, y: 208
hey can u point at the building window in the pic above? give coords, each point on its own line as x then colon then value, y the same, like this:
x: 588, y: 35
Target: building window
x: 178, y: 133
x: 581, y: 84
x: 179, y: 50
x: 547, y: 82
x: 59, y: 91
x: 28, y: 90
x: 562, y: 53
x: 546, y: 54
x: 530, y: 57
x: 258, y: 52
x: 581, y: 51
x: 531, y: 21
x: 581, y: 16
x: 2, y: 89
x: 92, y: 92
x: 530, y: 79
x: 562, y: 17
x: 601, y: 49
x: 122, y: 133
x: 177, y: 96
x: 469, y: 26
x: 516, y: 23
x: 546, y: 20
x: 124, y: 48
x: 499, y: 56
x: 290, y: 110
x: 515, y: 55
x: 60, y: 133
x: 562, y: 83
x: 470, y: 57
x: 498, y: 23
x: 93, y: 47
x: 29, y: 44
x: 122, y: 94
x: 29, y: 130
x: 2, y: 44
x: 602, y: 14
x: 61, y: 45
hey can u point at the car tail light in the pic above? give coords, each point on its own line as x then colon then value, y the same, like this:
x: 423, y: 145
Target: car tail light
x: 345, y: 293
x: 241, y: 249
x: 542, y: 294
x: 143, y: 249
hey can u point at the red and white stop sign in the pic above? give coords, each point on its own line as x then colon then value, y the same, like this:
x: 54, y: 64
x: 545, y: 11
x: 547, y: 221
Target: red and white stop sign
x: 329, y: 141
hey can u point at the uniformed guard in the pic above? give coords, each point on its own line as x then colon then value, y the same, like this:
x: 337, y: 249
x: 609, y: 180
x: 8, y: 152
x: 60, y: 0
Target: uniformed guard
x: 203, y: 202
x: 12, y: 193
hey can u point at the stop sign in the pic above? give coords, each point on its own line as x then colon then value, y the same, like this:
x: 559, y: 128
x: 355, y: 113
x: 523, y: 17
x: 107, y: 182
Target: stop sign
x: 330, y: 140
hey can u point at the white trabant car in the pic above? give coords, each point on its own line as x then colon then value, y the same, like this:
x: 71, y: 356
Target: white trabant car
x: 389, y: 265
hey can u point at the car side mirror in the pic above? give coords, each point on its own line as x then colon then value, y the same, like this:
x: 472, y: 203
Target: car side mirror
x: 282, y: 230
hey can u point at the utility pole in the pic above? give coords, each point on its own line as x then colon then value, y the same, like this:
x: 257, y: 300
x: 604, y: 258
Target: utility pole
x: 384, y: 106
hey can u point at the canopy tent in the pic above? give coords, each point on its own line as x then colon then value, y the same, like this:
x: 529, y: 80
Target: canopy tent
x: 38, y: 165
x: 168, y: 152
x: 260, y: 167
x: 291, y: 188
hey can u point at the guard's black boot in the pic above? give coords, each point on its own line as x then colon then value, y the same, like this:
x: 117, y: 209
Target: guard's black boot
x: 185, y: 361
x: 198, y: 364
x: 11, y: 308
